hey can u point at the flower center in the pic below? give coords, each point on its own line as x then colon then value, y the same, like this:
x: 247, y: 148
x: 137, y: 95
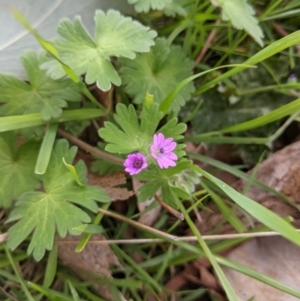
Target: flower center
x: 161, y: 150
x: 137, y: 163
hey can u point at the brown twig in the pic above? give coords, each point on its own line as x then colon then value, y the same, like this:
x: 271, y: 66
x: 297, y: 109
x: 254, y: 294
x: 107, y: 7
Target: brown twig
x: 136, y: 224
x: 208, y: 43
x: 88, y: 148
x: 283, y: 33
x: 183, y: 238
x: 174, y: 212
x: 8, y: 295
x: 279, y: 29
x: 3, y: 237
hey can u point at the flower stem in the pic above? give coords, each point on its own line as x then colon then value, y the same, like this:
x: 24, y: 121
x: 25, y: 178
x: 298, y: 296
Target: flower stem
x: 90, y: 149
x: 171, y: 210
x: 137, y: 224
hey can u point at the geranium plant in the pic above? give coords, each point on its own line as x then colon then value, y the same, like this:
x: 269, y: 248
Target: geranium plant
x: 148, y: 84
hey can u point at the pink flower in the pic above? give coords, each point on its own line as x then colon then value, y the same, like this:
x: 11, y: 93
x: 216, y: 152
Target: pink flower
x: 162, y: 151
x: 135, y: 163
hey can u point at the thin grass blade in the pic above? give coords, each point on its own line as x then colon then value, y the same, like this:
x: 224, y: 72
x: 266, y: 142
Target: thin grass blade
x: 46, y: 149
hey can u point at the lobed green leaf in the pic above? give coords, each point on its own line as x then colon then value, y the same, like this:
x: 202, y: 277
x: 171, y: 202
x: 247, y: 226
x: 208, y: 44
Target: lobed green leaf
x: 146, y: 5
x: 44, y: 212
x: 115, y: 35
x: 41, y: 95
x: 241, y: 15
x: 16, y: 168
x: 158, y: 73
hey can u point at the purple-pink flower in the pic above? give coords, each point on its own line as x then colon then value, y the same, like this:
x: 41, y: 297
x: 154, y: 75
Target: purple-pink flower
x: 135, y: 163
x: 162, y: 151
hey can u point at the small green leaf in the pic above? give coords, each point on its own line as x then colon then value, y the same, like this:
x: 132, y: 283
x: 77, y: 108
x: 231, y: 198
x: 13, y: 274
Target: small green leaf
x: 180, y: 166
x: 130, y: 136
x: 178, y: 8
x: 148, y: 190
x: 146, y: 5
x: 150, y: 118
x: 160, y: 179
x: 115, y: 35
x: 41, y: 95
x: 169, y: 196
x: 173, y: 129
x: 240, y: 14
x: 51, y: 267
x: 72, y: 169
x: 158, y: 73
x: 16, y: 168
x: 44, y: 212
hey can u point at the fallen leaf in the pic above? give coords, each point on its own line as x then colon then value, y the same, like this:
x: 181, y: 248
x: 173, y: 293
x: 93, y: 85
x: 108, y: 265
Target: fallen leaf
x: 93, y: 259
x: 275, y: 257
x: 148, y: 218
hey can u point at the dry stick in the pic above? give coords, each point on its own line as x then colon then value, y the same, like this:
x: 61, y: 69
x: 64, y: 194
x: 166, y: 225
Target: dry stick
x: 3, y: 237
x: 159, y: 240
x: 8, y: 295
x: 137, y: 224
x: 184, y: 239
x: 279, y: 29
x: 207, y: 43
x: 174, y: 212
x: 89, y: 148
x: 283, y: 33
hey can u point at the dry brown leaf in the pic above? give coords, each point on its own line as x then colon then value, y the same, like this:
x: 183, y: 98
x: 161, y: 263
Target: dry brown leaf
x: 272, y: 256
x: 275, y: 257
x: 107, y: 182
x: 94, y: 258
x: 281, y: 171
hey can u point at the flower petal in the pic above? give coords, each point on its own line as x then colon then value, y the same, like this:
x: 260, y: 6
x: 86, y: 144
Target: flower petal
x: 171, y: 156
x: 160, y: 140
x: 160, y: 162
x: 162, y: 151
x: 131, y: 165
x: 166, y: 142
x: 170, y: 147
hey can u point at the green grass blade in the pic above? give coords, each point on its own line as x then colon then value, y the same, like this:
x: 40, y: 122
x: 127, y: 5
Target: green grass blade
x: 265, y: 216
x: 276, y: 114
x: 195, y: 252
x: 257, y: 275
x: 141, y: 272
x: 227, y: 213
x: 49, y: 293
x: 225, y: 283
x: 73, y: 291
x: 86, y: 237
x: 23, y: 121
x: 277, y: 46
x: 46, y: 149
x: 225, y: 139
x: 20, y: 280
x: 51, y: 267
x: 240, y: 174
x: 165, y: 105
x: 160, y: 273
